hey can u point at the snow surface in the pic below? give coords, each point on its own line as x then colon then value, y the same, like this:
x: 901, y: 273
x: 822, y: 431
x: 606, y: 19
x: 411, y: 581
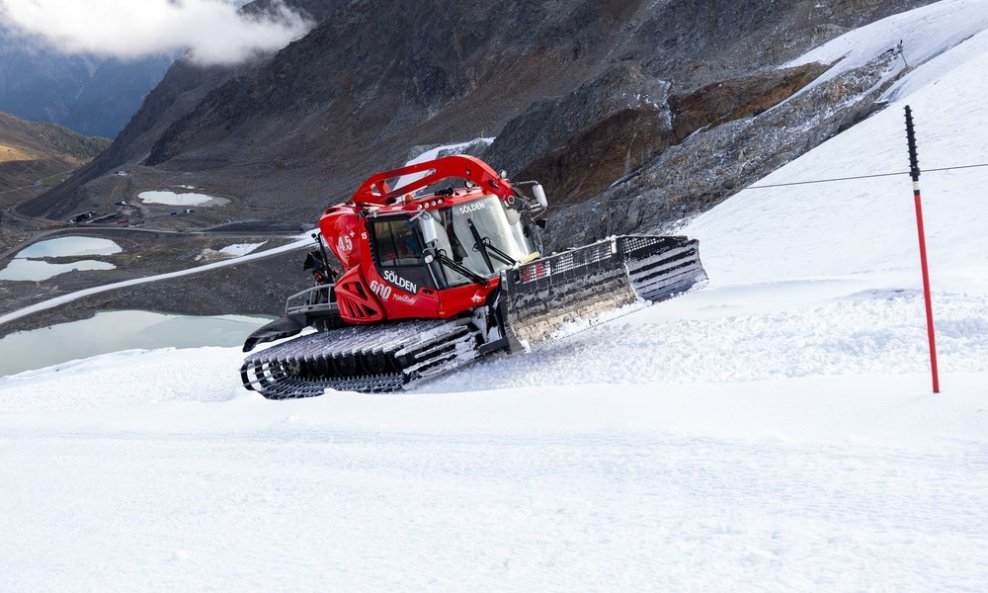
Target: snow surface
x: 170, y: 198
x: 235, y: 250
x: 925, y: 34
x: 241, y: 249
x: 774, y: 431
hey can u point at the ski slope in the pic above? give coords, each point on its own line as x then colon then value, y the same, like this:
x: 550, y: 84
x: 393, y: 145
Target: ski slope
x: 774, y: 431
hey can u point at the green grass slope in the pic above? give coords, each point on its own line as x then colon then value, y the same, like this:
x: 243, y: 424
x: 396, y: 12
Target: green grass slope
x: 36, y: 156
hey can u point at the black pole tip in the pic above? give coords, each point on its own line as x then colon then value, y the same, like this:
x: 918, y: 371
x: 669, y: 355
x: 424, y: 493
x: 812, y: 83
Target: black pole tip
x: 911, y: 140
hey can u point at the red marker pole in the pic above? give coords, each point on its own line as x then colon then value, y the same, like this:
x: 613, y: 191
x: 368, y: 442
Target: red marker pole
x: 914, y: 173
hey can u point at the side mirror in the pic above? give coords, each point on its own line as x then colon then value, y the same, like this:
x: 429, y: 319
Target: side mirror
x: 427, y: 224
x: 539, y: 194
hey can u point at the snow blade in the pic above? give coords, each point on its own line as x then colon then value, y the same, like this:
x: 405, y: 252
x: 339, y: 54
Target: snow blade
x: 539, y: 298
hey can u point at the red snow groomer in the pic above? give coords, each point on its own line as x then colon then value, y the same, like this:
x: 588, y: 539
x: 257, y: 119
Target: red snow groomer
x: 441, y: 270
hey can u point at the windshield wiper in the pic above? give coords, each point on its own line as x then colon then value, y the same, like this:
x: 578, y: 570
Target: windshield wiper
x: 486, y: 248
x: 479, y: 245
x: 498, y: 253
x: 441, y: 257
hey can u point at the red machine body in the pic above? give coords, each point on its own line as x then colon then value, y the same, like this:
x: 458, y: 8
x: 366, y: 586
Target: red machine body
x: 386, y: 275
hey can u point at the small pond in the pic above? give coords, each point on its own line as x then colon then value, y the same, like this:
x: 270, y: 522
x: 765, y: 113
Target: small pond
x: 112, y: 331
x: 30, y: 263
x: 69, y: 246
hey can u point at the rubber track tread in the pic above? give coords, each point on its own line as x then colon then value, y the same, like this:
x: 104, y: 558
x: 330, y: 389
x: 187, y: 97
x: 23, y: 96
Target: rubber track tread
x: 383, y: 358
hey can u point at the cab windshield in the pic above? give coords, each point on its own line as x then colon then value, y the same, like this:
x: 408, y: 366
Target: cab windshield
x: 483, y: 237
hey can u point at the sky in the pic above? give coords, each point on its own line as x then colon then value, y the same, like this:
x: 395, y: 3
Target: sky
x: 212, y: 31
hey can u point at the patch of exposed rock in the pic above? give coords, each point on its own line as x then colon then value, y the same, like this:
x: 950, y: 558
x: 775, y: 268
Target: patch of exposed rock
x: 578, y: 144
x: 748, y: 96
x: 706, y: 168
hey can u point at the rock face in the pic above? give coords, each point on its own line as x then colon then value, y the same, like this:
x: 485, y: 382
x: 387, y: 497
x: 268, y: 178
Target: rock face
x: 633, y: 113
x: 747, y: 96
x: 706, y: 168
x: 579, y: 144
x: 560, y: 84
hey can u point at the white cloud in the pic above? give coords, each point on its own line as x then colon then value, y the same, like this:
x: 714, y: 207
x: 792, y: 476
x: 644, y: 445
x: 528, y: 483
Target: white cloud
x: 213, y: 31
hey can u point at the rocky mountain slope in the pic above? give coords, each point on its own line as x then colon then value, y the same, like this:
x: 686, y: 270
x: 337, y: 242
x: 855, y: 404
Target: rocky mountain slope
x: 633, y: 114
x: 559, y: 83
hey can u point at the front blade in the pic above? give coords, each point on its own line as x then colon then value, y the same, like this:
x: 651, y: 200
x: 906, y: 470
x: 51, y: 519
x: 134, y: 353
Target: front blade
x: 538, y: 299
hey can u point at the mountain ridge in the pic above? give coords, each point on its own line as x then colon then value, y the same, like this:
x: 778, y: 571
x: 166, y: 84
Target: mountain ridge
x: 633, y: 115
x: 33, y: 152
x: 369, y: 83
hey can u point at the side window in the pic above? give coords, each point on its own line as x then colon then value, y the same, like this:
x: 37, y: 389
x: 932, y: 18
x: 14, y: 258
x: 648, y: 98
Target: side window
x: 399, y: 255
x: 397, y: 243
